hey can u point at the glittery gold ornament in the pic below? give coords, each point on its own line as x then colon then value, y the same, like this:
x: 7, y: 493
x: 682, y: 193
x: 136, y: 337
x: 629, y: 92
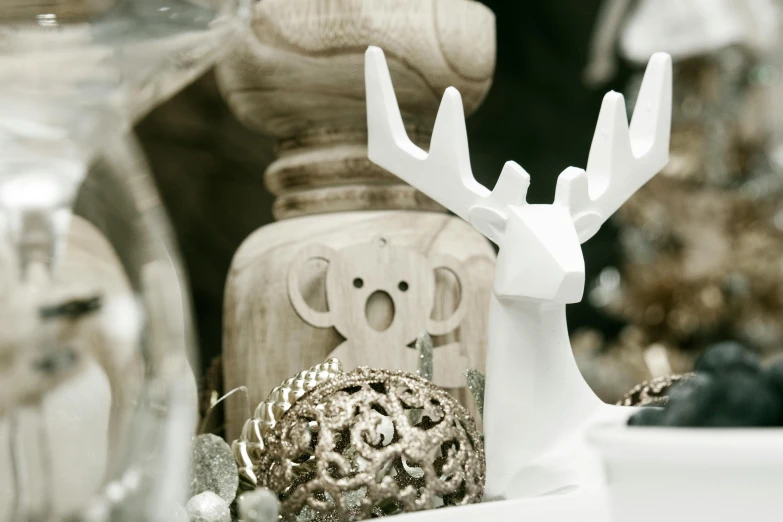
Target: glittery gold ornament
x: 250, y: 446
x: 371, y: 443
x: 613, y: 368
x: 654, y: 392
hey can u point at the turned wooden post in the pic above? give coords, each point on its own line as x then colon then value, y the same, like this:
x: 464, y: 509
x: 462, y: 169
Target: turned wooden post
x: 358, y: 263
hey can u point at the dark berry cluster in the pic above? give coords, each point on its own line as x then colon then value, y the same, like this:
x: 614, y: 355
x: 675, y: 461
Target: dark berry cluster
x: 730, y: 389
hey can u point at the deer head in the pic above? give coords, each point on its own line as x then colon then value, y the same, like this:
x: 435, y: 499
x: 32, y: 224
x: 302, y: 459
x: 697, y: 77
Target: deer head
x: 540, y: 255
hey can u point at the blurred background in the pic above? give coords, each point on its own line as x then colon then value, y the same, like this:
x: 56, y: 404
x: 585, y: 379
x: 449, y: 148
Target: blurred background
x: 692, y: 260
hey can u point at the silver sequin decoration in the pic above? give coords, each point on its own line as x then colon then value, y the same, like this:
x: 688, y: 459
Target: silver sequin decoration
x: 260, y: 505
x: 208, y: 507
x: 213, y: 468
x: 476, y: 382
x: 424, y: 347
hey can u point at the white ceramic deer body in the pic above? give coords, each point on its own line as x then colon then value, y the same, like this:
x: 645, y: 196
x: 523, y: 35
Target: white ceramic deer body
x: 537, y: 404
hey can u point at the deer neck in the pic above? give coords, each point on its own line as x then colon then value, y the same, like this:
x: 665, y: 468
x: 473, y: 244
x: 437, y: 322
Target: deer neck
x: 535, y: 393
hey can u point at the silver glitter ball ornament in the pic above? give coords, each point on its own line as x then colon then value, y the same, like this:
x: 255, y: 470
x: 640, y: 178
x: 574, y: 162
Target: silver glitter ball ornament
x: 208, y: 507
x: 260, y: 505
x: 213, y: 468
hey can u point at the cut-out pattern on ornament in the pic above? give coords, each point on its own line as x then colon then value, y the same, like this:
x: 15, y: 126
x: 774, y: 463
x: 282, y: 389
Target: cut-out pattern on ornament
x: 371, y: 443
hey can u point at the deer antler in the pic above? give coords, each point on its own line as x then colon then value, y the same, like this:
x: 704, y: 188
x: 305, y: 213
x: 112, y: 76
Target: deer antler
x: 621, y: 160
x: 444, y: 174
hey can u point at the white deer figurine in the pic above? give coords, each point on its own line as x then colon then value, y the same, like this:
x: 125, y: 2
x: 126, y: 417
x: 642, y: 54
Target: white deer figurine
x: 537, y: 404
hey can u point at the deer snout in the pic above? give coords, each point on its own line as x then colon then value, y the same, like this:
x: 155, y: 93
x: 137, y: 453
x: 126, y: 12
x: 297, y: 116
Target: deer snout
x: 571, y: 288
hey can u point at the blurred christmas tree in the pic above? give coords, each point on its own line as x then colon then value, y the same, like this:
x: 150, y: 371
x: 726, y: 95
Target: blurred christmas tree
x: 703, y: 241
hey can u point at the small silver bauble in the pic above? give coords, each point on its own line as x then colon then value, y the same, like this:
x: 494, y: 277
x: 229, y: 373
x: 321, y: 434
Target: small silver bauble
x: 208, y: 507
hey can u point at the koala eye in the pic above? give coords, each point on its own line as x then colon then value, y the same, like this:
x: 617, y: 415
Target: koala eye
x: 403, y: 286
x: 358, y: 283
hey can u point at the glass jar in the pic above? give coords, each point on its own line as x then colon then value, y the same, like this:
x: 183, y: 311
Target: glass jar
x: 97, y: 394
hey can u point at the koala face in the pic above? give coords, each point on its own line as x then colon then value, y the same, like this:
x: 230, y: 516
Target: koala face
x: 377, y: 293
x: 398, y: 282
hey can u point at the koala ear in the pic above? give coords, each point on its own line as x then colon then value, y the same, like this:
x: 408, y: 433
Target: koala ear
x: 450, y: 323
x: 305, y: 311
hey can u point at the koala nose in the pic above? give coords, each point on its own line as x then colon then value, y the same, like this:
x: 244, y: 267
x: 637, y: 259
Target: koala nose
x: 379, y: 310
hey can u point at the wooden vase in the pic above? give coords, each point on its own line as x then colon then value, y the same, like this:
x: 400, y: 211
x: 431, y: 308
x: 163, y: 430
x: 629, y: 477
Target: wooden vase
x: 358, y: 263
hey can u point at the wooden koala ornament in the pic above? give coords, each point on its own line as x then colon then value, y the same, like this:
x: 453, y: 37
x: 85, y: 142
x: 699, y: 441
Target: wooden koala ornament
x: 296, y: 77
x: 380, y: 297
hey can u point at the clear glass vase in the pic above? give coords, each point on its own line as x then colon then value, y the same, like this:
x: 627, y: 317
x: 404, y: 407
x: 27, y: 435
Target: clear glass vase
x: 97, y: 395
x: 98, y: 392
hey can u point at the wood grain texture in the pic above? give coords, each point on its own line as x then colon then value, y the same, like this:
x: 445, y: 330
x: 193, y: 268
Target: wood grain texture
x: 266, y: 340
x: 303, y: 64
x: 344, y: 198
x: 380, y: 297
x: 299, y: 76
